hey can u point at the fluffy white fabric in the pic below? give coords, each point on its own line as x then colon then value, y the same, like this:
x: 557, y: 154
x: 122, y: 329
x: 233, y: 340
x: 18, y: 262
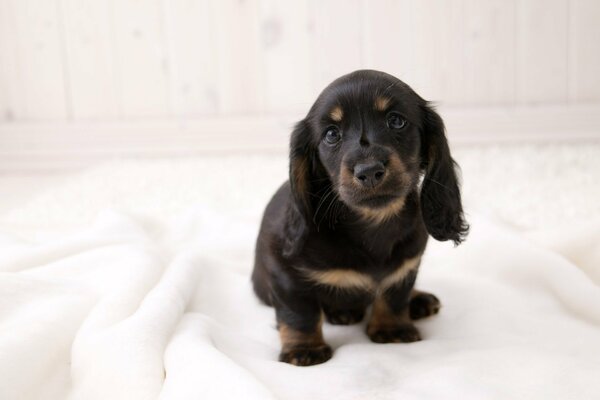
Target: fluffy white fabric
x: 140, y: 307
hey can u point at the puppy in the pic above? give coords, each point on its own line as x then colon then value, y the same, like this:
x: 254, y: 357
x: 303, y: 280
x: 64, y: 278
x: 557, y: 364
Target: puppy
x: 371, y: 176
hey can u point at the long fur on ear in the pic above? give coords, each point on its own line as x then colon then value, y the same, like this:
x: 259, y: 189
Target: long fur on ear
x: 300, y: 210
x: 440, y: 195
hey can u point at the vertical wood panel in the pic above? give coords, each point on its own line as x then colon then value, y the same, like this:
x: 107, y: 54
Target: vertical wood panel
x: 286, y: 49
x: 141, y: 58
x: 411, y: 39
x: 239, y: 72
x: 453, y: 64
x: 192, y: 57
x: 336, y: 47
x: 429, y: 25
x: 155, y: 58
x: 40, y: 59
x: 542, y: 51
x: 388, y: 30
x: 490, y: 45
x: 88, y: 36
x: 584, y: 47
x: 12, y: 105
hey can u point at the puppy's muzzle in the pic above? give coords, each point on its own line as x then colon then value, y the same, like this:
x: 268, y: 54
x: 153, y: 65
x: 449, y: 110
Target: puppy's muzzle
x: 369, y: 174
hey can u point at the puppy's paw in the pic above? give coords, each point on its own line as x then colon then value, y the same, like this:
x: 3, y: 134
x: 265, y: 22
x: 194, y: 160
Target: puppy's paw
x: 424, y: 305
x: 306, y: 356
x: 345, y: 317
x: 405, y: 333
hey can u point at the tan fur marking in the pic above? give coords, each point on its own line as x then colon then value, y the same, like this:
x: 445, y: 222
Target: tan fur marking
x: 400, y: 273
x: 350, y: 279
x: 382, y: 103
x: 377, y: 216
x: 336, y: 113
x: 291, y: 338
x: 299, y: 173
x: 342, y: 279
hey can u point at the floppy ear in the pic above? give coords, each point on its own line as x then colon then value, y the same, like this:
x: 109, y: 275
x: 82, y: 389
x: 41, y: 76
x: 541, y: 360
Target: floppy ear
x: 440, y: 195
x: 300, y: 210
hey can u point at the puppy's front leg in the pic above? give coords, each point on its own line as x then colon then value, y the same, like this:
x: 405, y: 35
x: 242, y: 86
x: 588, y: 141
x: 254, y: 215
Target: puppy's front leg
x: 390, y: 319
x: 300, y: 320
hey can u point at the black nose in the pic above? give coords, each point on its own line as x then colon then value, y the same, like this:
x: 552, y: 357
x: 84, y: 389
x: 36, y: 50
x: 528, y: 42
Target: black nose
x: 369, y: 174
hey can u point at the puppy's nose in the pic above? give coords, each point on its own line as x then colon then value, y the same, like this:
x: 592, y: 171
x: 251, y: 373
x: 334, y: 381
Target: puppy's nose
x: 369, y: 174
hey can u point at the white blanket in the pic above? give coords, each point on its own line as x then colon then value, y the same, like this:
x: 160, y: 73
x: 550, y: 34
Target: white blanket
x: 132, y: 308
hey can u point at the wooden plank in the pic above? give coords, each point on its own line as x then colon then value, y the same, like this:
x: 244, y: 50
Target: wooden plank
x: 385, y: 21
x: 141, y: 58
x: 239, y: 69
x: 192, y: 57
x: 453, y: 57
x: 12, y: 102
x: 40, y: 59
x: 542, y: 51
x: 490, y: 46
x: 429, y: 27
x: 336, y: 47
x: 285, y: 44
x: 584, y: 51
x: 420, y: 42
x: 92, y: 80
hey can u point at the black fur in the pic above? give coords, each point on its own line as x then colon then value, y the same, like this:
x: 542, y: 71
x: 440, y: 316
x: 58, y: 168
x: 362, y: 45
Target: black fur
x: 322, y: 218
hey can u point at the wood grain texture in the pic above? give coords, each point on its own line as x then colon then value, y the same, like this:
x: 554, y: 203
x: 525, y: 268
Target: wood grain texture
x: 239, y: 67
x: 336, y: 48
x: 129, y: 59
x: 584, y: 51
x: 490, y: 47
x: 12, y: 100
x: 90, y: 58
x: 192, y: 57
x: 140, y: 52
x: 40, y: 58
x: 542, y: 51
x: 285, y: 46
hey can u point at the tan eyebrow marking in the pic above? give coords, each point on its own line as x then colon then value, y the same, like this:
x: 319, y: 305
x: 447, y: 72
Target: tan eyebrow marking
x: 382, y: 103
x: 336, y: 113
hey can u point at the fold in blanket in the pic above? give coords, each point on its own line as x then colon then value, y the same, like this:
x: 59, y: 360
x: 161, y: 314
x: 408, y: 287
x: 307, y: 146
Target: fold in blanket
x: 137, y: 309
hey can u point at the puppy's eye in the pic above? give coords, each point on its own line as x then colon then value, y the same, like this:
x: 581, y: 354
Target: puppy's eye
x: 332, y: 135
x: 395, y: 121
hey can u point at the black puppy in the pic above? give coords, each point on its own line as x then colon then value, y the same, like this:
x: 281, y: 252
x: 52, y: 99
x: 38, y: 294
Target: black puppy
x: 370, y: 176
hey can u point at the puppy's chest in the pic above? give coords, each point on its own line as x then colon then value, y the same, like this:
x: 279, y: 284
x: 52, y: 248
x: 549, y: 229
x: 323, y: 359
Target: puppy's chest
x: 370, y: 278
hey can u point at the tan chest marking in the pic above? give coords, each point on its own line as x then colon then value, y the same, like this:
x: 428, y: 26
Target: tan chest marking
x: 342, y: 279
x: 380, y: 215
x: 399, y: 274
x: 350, y: 279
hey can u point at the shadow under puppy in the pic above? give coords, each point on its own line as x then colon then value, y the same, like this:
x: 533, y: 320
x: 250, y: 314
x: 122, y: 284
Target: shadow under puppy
x: 371, y: 177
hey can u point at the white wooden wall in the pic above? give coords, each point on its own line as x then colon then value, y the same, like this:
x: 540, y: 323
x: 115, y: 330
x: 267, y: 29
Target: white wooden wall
x: 74, y: 60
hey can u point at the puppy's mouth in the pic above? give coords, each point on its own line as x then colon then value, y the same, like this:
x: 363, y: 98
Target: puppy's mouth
x: 377, y: 201
x: 368, y: 199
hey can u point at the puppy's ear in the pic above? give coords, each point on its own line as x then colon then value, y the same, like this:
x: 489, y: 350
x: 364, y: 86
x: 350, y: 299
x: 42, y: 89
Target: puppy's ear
x: 440, y: 195
x: 301, y: 169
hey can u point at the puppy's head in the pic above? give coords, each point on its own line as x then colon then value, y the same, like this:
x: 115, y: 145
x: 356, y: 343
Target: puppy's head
x: 371, y: 138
